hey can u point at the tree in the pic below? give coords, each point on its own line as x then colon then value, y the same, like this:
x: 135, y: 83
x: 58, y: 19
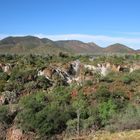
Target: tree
x: 79, y: 104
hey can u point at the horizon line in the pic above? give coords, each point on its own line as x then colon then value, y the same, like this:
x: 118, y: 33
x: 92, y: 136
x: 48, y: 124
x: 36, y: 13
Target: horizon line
x: 102, y: 40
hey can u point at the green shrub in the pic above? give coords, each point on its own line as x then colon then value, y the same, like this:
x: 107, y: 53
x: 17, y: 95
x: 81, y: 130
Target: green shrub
x: 62, y: 95
x: 43, y: 82
x: 43, y: 116
x: 88, y: 83
x: 13, y: 86
x: 126, y: 79
x: 2, y: 85
x: 71, y: 127
x: 106, y: 111
x: 90, y: 123
x: 103, y: 94
x: 120, y: 99
x: 135, y: 75
x: 4, y: 115
x: 23, y: 76
x: 30, y: 86
x: 4, y: 76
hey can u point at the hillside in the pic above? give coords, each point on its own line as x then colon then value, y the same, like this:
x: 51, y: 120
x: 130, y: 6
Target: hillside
x: 78, y: 46
x: 31, y: 44
x: 27, y: 41
x: 61, y: 97
x: 118, y: 48
x: 138, y: 51
x: 28, y: 44
x: 96, y: 48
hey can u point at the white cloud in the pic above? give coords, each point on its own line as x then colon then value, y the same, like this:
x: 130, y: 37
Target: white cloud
x: 101, y: 40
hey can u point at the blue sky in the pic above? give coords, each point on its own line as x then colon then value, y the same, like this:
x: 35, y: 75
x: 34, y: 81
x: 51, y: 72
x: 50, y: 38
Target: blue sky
x: 101, y: 21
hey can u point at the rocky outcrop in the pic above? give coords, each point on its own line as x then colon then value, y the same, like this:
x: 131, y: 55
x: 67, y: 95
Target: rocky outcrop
x: 6, y: 68
x: 134, y: 67
x: 102, y: 69
x: 75, y: 72
x: 74, y: 67
x: 47, y: 72
x: 55, y: 73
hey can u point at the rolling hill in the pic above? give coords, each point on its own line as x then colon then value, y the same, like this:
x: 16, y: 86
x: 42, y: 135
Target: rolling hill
x: 28, y: 44
x: 118, y: 48
x: 78, y: 46
x: 31, y: 44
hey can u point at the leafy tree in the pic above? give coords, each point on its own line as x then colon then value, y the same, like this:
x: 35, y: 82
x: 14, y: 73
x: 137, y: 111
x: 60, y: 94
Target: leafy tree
x: 80, y: 104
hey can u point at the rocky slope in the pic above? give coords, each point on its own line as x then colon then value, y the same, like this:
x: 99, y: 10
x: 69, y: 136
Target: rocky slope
x: 40, y: 93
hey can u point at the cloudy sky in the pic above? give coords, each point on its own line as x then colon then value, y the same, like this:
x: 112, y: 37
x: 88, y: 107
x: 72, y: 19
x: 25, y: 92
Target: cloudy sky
x: 101, y: 21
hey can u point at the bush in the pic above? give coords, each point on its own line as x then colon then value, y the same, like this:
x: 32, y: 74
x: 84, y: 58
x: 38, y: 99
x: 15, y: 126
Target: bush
x: 103, y: 94
x: 23, y: 76
x: 43, y: 83
x: 88, y: 83
x: 126, y: 79
x: 62, y: 95
x: 4, y: 76
x: 2, y: 85
x: 43, y: 116
x: 135, y: 75
x: 110, y: 77
x: 90, y: 123
x: 106, y: 111
x: 13, y: 86
x: 120, y: 99
x: 63, y: 55
x: 30, y: 86
x: 4, y: 115
x: 71, y: 127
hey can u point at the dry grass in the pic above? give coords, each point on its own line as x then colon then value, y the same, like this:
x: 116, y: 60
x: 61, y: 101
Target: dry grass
x: 126, y: 135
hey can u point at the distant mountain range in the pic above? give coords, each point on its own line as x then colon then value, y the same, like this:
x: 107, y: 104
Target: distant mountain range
x: 31, y: 44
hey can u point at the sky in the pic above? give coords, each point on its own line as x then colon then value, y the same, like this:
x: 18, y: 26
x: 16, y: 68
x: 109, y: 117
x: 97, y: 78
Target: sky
x: 101, y: 21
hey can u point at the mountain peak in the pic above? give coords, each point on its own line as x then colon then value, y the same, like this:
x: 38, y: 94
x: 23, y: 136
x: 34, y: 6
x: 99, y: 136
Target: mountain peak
x: 118, y: 48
